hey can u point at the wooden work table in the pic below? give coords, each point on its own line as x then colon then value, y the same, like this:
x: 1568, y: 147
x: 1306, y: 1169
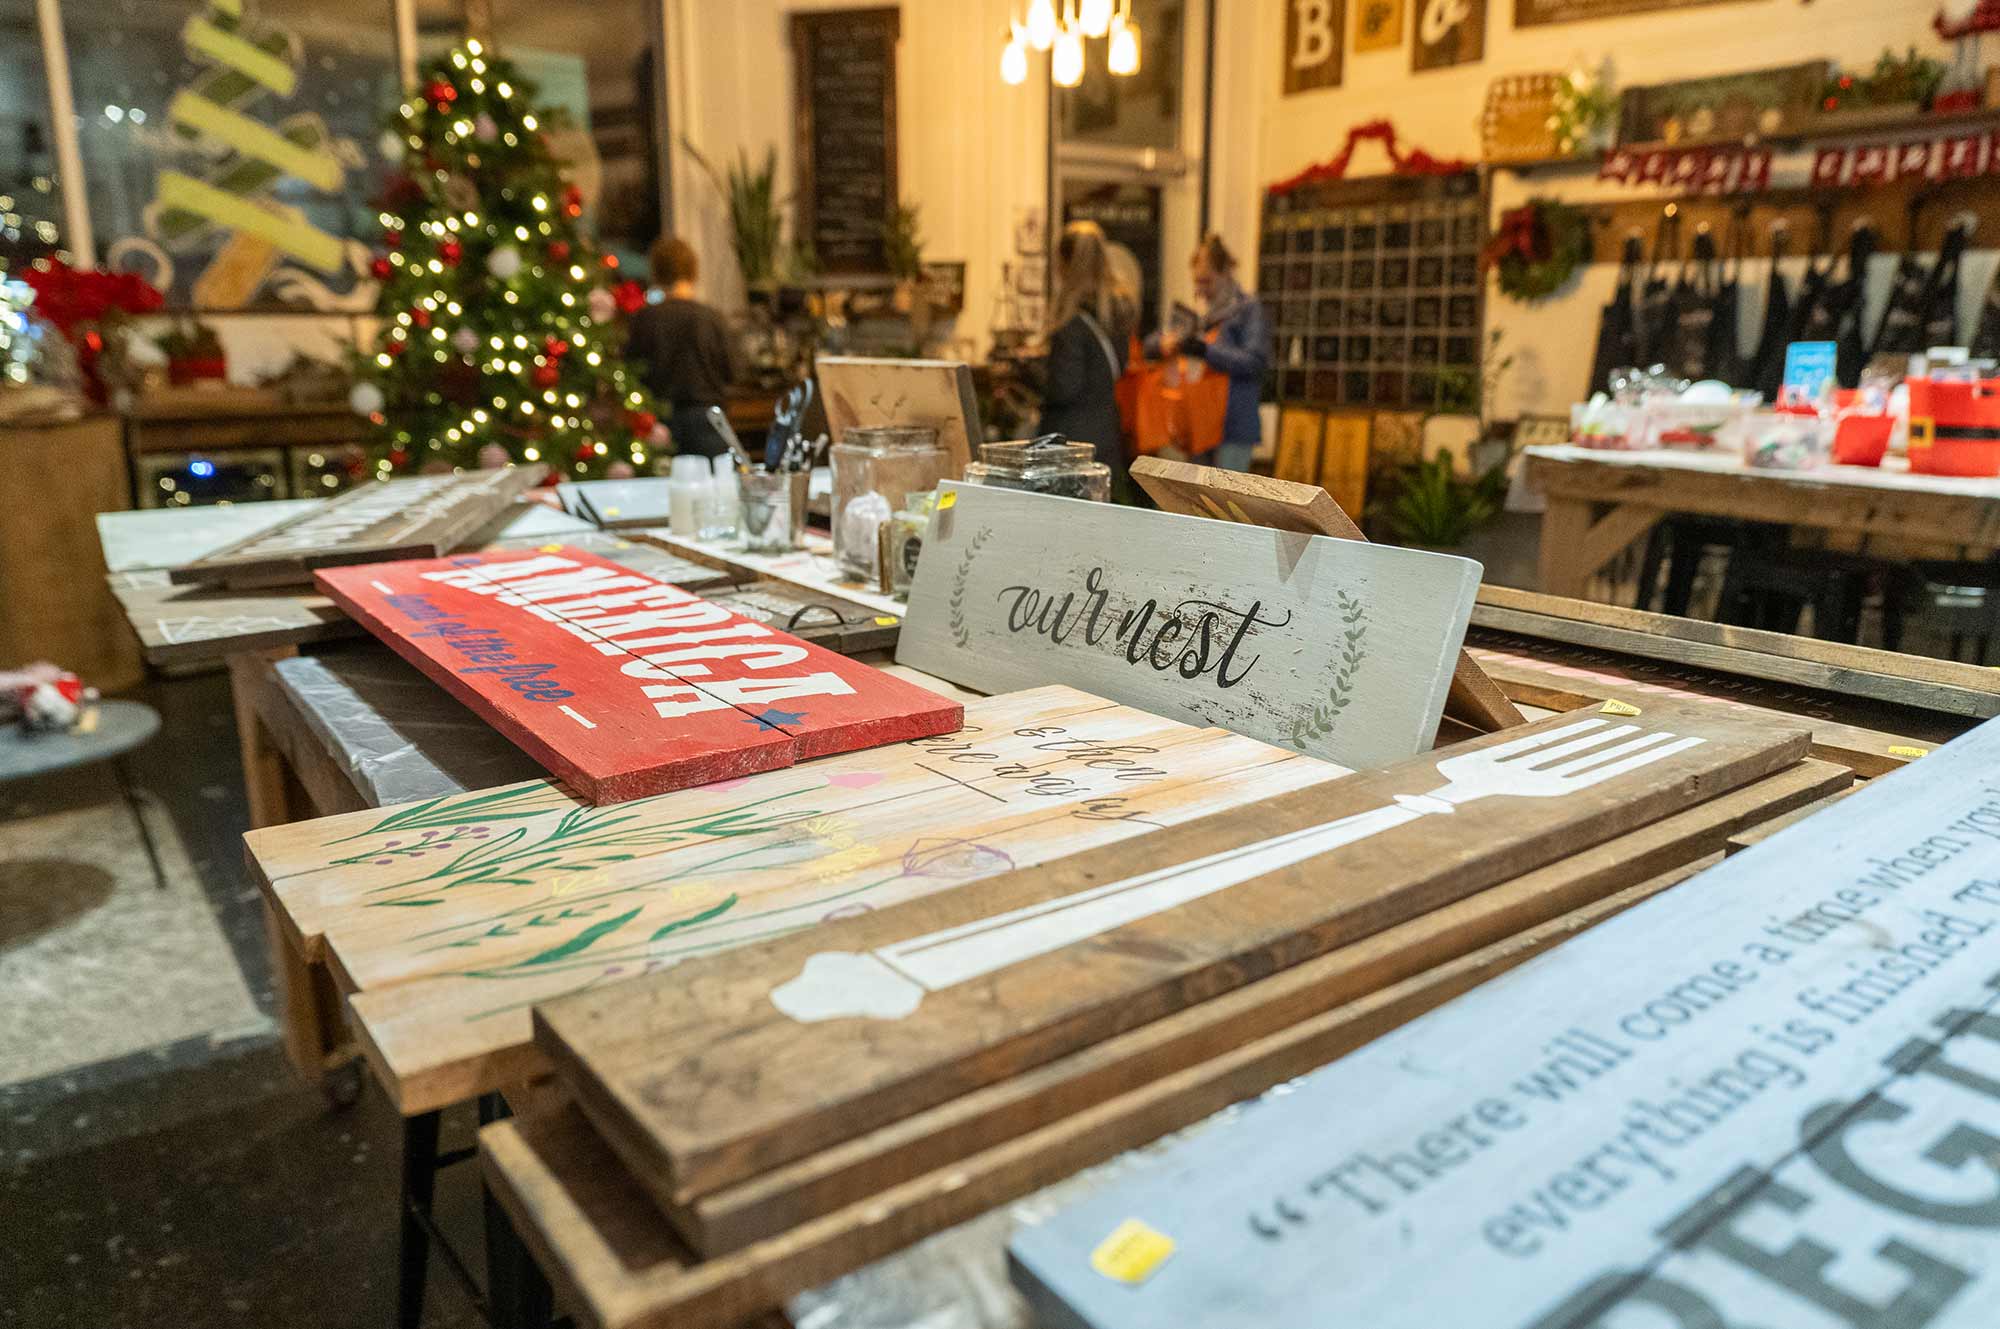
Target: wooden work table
x: 1600, y: 502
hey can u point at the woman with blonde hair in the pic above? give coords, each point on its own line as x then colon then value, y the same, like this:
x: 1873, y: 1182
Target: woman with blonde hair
x: 1091, y: 314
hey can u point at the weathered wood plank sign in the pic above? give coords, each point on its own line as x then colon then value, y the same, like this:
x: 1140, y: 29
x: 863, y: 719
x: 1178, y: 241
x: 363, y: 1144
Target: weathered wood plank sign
x: 1334, y: 648
x: 1786, y: 1117
x: 747, y: 1061
x: 619, y: 684
x: 419, y: 517
x: 449, y: 917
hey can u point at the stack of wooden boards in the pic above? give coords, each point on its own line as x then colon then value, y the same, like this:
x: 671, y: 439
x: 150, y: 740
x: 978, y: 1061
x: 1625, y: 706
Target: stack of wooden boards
x: 1786, y: 1114
x: 743, y: 1130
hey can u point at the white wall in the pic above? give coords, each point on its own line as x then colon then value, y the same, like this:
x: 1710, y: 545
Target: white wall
x: 1263, y: 136
x: 970, y: 149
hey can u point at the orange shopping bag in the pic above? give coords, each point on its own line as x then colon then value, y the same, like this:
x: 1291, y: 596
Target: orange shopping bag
x: 1180, y: 405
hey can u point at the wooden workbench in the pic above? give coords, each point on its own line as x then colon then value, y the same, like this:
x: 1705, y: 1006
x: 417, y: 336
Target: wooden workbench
x: 1602, y: 502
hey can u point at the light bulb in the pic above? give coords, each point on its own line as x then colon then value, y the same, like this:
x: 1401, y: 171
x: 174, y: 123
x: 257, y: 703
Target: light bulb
x: 1042, y: 24
x: 1066, y: 65
x: 1014, y: 62
x: 1095, y: 19
x: 1123, y: 57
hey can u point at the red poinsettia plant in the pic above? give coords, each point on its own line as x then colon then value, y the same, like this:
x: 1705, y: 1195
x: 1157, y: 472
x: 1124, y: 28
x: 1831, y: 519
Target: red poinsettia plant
x: 91, y: 308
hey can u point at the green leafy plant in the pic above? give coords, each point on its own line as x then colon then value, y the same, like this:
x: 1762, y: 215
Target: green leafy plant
x: 1434, y: 507
x: 903, y: 243
x: 1894, y: 81
x: 756, y: 213
x: 1581, y: 111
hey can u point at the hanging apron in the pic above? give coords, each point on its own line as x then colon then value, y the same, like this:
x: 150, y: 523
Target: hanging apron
x: 1766, y: 370
x: 1986, y: 339
x: 1617, y: 329
x: 1940, y: 309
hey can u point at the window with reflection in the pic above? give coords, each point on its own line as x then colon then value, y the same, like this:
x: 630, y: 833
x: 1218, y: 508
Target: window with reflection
x: 30, y: 194
x: 1141, y: 110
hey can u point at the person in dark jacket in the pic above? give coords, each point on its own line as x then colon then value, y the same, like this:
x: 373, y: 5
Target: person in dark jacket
x: 683, y: 349
x: 1090, y: 326
x: 1234, y: 339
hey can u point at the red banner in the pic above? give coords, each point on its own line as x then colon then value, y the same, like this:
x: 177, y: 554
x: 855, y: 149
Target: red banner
x: 1929, y: 157
x: 1691, y: 170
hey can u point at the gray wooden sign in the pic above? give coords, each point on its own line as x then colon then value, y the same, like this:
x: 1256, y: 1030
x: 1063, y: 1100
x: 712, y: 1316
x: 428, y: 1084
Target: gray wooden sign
x: 419, y: 517
x: 1333, y: 648
x: 1769, y: 1097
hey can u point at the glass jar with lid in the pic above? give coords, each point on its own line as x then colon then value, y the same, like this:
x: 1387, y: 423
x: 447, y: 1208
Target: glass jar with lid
x: 1050, y: 464
x: 874, y: 470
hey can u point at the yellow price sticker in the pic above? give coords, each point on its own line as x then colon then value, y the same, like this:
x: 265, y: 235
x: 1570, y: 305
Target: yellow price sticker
x: 886, y: 620
x: 1912, y: 753
x: 550, y: 549
x: 948, y: 502
x: 1624, y: 708
x: 1132, y: 1252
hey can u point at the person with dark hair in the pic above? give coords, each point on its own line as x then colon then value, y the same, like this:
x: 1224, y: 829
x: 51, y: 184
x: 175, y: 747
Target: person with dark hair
x: 1090, y: 325
x: 683, y: 349
x: 1232, y: 338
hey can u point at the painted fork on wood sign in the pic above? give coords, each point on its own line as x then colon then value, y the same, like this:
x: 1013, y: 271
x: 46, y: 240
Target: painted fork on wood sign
x: 889, y: 982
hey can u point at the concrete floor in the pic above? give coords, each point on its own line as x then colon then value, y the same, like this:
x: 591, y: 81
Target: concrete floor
x: 200, y: 1183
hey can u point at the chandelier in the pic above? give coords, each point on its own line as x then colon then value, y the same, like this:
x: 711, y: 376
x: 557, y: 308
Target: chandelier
x: 1063, y: 38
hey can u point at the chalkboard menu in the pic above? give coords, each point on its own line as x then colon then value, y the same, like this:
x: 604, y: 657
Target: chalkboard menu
x: 1374, y: 291
x: 846, y: 65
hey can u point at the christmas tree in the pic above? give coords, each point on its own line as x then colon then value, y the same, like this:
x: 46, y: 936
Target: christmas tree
x: 500, y: 330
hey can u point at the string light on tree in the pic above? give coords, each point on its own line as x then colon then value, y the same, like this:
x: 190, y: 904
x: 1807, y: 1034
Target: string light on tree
x: 483, y: 256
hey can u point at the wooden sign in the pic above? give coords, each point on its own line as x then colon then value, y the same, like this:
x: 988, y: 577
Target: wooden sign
x: 1448, y: 32
x: 617, y: 504
x: 861, y: 390
x: 445, y: 953
x: 621, y: 685
x: 1378, y: 25
x: 1312, y: 44
x: 1517, y: 124
x: 1300, y: 432
x: 1329, y: 647
x: 1256, y: 500
x: 845, y: 104
x: 419, y: 517
x: 1343, y: 459
x: 1534, y: 13
x: 1739, y: 107
x: 879, y: 1017
x: 1782, y: 1118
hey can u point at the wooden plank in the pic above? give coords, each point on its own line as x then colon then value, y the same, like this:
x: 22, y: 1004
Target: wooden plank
x: 877, y: 1017
x: 595, y: 1230
x: 1334, y: 648
x: 562, y: 652
x: 1256, y: 500
x: 863, y: 390
x: 1764, y: 830
x: 421, y: 516
x: 186, y: 625
x: 765, y: 1205
x: 444, y: 989
x: 1562, y: 686
x: 1299, y: 432
x: 1730, y: 1129
x: 837, y: 623
x: 617, y: 504
x: 1891, y: 682
x: 1343, y: 459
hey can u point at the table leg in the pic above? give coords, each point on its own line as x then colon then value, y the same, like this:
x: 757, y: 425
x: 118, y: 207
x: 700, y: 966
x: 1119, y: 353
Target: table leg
x: 420, y: 1164
x: 1576, y: 543
x: 518, y: 1295
x: 139, y: 819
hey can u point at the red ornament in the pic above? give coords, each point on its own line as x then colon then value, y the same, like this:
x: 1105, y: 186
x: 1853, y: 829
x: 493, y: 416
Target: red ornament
x: 559, y: 251
x: 393, y: 239
x: 630, y: 295
x: 420, y: 317
x: 381, y: 268
x: 450, y: 252
x: 642, y: 422
x: 555, y: 348
x: 398, y: 457
x: 573, y: 199
x: 546, y: 376
x: 440, y: 94
x: 396, y: 346
x: 610, y: 261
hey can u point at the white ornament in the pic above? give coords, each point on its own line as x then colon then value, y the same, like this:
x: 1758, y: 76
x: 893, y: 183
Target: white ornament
x: 466, y: 340
x: 366, y: 399
x: 603, y: 305
x: 391, y: 146
x: 504, y: 262
x: 484, y: 129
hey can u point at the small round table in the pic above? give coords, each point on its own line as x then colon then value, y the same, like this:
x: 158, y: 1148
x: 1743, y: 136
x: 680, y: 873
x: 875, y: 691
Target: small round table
x: 122, y: 726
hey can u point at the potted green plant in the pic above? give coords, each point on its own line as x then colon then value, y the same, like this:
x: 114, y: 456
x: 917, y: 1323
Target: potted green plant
x: 1434, y: 509
x: 756, y: 215
x: 193, y: 351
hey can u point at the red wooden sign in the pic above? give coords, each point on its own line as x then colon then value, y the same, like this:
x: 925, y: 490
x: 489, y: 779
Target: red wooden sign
x: 621, y: 685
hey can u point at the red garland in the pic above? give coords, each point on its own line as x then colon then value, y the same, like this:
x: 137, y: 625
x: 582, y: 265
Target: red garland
x: 1414, y: 162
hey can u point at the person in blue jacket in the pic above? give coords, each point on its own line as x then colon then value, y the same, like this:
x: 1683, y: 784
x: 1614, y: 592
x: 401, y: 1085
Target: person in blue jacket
x: 1239, y: 347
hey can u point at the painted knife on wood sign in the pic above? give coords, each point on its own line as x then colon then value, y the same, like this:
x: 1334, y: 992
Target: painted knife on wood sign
x: 622, y: 685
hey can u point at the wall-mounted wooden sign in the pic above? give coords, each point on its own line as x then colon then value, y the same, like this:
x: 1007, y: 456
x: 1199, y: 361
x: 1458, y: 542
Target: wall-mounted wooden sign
x: 1329, y: 647
x: 1784, y: 1117
x: 844, y: 62
x: 621, y: 685
x: 877, y: 1017
x: 1313, y: 30
x: 1533, y: 13
x: 420, y: 517
x: 1448, y: 32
